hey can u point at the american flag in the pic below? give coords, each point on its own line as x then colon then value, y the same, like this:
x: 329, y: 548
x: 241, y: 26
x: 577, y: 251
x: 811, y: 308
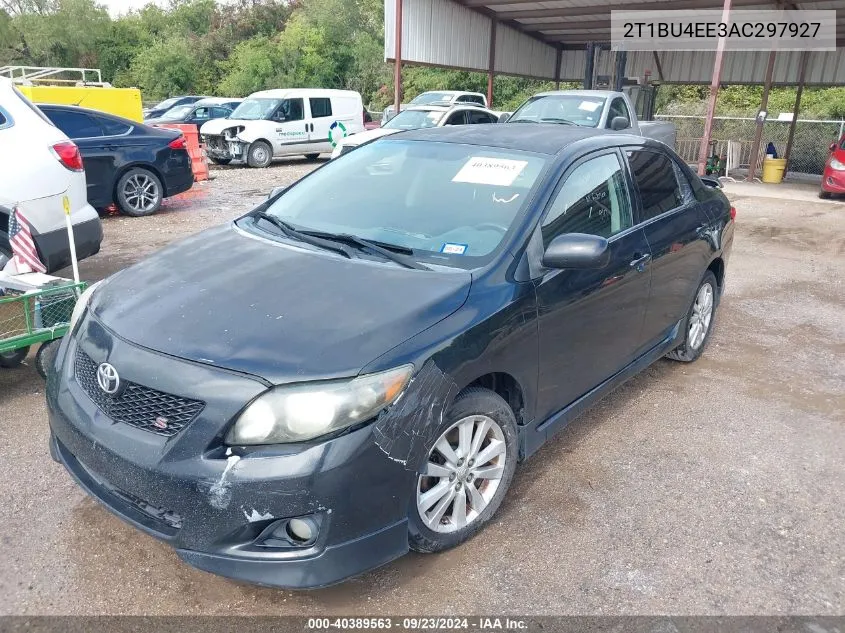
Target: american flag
x: 24, y: 252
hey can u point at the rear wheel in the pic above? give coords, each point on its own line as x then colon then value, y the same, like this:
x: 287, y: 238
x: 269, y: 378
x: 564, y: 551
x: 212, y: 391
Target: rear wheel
x: 825, y: 195
x: 139, y: 192
x: 466, y: 473
x: 312, y: 156
x: 220, y: 161
x: 699, y: 322
x: 259, y: 154
x: 8, y: 360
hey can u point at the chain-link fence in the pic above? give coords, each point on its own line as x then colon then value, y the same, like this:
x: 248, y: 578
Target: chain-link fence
x: 809, y: 147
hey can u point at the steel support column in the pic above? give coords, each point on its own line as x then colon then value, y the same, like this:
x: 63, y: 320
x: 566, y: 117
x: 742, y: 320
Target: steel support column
x: 754, y: 159
x: 619, y: 71
x: 397, y: 54
x: 802, y: 73
x: 558, y: 59
x: 491, y: 63
x: 589, y: 66
x: 714, y: 93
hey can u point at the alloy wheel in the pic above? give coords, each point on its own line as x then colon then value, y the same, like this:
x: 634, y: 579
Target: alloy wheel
x: 462, y: 473
x: 141, y: 193
x: 702, y: 314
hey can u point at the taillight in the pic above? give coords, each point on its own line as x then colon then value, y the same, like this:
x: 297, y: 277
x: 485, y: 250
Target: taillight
x: 68, y: 155
x: 178, y: 143
x: 733, y: 213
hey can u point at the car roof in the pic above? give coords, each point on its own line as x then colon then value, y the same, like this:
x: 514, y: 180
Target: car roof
x: 541, y: 138
x: 454, y: 93
x: 603, y: 94
x: 72, y: 108
x: 217, y: 101
x: 286, y: 93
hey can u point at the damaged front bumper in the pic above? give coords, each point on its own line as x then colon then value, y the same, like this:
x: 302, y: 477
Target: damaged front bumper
x: 219, y: 509
x: 220, y: 147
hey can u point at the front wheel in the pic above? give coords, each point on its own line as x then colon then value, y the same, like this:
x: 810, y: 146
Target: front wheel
x: 139, y: 193
x: 45, y: 356
x: 466, y: 473
x: 259, y: 154
x: 9, y: 360
x: 825, y: 195
x: 699, y: 322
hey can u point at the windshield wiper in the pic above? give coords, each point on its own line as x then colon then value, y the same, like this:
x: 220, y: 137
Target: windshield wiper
x: 292, y: 232
x: 388, y: 251
x: 556, y: 120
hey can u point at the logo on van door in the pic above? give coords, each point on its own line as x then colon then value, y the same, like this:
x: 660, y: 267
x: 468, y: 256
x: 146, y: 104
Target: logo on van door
x: 337, y: 131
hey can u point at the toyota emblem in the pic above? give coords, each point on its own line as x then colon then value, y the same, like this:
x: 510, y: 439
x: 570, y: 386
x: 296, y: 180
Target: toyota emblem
x: 108, y: 378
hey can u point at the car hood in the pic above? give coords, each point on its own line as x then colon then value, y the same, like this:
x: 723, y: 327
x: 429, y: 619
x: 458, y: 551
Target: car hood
x: 369, y: 135
x: 216, y: 126
x: 273, y: 310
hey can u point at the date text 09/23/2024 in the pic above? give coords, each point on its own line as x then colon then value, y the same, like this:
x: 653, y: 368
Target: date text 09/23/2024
x: 477, y: 623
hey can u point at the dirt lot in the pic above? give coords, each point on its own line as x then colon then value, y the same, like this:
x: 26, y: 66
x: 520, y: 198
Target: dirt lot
x: 709, y: 488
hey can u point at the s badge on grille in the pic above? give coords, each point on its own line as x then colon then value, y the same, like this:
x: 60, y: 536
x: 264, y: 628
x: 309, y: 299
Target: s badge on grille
x: 108, y: 378
x: 160, y: 422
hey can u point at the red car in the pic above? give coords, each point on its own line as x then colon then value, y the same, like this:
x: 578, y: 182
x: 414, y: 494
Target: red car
x: 833, y: 179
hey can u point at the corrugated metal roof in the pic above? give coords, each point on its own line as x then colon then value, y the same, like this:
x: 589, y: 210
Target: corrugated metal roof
x: 530, y: 33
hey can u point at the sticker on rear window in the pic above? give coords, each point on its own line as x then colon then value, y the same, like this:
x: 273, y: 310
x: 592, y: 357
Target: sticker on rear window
x: 453, y: 249
x: 481, y: 170
x: 589, y: 106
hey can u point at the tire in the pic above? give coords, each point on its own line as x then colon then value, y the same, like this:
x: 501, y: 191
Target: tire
x: 259, y: 154
x: 825, y: 195
x: 442, y: 530
x: 45, y: 356
x: 220, y: 161
x: 694, y: 343
x: 139, y: 192
x: 9, y: 360
x: 312, y: 156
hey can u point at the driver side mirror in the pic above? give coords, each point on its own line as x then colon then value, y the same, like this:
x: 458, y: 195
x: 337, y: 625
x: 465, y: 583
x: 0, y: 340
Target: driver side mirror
x: 577, y: 250
x: 503, y: 117
x: 619, y: 123
x: 276, y: 191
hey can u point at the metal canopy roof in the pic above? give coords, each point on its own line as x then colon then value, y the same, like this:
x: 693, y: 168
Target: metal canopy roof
x: 547, y: 39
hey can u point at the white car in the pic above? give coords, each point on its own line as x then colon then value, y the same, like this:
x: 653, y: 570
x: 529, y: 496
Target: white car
x: 416, y: 117
x: 443, y: 97
x: 276, y: 123
x: 41, y: 167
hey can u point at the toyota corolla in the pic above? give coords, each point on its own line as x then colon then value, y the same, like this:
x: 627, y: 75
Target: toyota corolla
x: 355, y: 368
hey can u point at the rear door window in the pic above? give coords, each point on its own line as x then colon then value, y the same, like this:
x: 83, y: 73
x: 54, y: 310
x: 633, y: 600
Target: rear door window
x: 457, y: 118
x: 657, y: 182
x: 320, y: 107
x: 481, y: 117
x: 76, y: 124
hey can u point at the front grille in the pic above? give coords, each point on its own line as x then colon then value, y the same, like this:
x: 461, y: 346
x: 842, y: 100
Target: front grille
x: 144, y: 408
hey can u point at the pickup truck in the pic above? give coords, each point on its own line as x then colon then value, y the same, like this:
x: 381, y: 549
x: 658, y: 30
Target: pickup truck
x: 601, y: 109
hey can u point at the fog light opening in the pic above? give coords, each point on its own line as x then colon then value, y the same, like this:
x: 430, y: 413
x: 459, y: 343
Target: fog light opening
x: 301, y: 531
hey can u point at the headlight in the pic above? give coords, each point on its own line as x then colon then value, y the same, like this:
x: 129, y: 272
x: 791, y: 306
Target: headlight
x: 303, y: 412
x: 81, y: 305
x: 837, y: 165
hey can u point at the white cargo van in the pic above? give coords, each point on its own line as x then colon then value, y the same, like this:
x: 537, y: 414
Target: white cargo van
x: 288, y: 122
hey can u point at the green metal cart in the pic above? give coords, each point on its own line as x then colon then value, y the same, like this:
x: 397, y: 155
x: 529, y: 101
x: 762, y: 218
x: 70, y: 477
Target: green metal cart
x: 37, y: 317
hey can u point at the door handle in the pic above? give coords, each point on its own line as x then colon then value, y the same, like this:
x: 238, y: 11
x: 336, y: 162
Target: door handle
x: 640, y: 262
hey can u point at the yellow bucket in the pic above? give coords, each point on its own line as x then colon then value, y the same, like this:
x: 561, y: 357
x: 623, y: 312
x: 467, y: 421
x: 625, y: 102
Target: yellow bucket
x: 773, y: 169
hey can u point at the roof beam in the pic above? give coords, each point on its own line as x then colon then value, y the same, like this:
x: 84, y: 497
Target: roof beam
x: 569, y: 25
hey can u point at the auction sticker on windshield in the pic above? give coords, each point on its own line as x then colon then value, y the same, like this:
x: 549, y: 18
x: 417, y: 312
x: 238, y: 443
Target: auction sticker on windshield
x: 481, y: 170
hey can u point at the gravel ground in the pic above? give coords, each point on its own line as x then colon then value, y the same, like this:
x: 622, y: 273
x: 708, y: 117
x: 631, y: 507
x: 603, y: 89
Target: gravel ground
x: 712, y: 488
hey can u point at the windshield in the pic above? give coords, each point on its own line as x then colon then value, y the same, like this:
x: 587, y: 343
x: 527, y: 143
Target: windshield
x: 427, y: 98
x: 452, y: 204
x: 255, y: 109
x: 413, y: 119
x: 167, y: 103
x: 178, y: 112
x: 585, y: 111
